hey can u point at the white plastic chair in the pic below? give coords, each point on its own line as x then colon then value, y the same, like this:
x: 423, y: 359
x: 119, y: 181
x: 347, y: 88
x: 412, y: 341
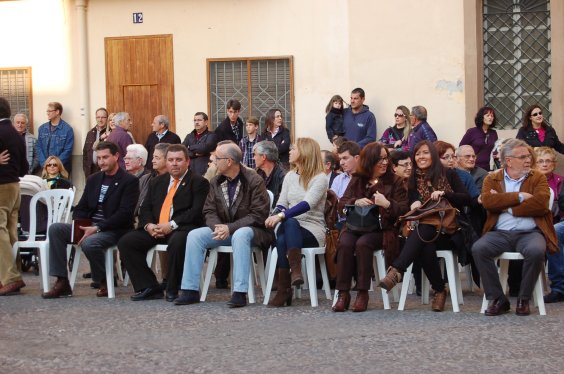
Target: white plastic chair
x: 455, y: 287
x: 58, y: 203
x: 109, y: 264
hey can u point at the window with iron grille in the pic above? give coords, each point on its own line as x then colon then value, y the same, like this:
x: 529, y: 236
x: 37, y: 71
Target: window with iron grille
x: 15, y: 86
x: 517, y: 70
x: 259, y: 84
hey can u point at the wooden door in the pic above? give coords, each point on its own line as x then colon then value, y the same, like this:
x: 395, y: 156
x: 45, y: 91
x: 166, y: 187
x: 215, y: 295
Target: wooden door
x: 140, y: 80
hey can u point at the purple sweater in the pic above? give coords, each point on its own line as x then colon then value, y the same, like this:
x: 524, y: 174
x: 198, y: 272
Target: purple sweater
x: 121, y: 138
x: 482, y: 143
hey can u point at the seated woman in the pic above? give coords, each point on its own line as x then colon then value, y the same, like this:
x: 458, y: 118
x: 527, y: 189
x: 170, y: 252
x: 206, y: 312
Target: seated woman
x: 429, y: 180
x: 448, y: 160
x: 300, y: 212
x: 373, y: 184
x: 546, y: 163
x: 55, y: 173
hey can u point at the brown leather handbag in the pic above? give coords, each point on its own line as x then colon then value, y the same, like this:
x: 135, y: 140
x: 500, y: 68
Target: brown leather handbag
x: 437, y: 213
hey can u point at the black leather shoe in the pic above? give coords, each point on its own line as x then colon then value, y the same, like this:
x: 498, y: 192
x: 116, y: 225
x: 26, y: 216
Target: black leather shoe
x: 164, y: 285
x: 171, y: 295
x: 553, y: 297
x: 187, y: 297
x: 522, y: 308
x: 221, y: 284
x: 238, y: 300
x: 148, y: 294
x: 498, y: 307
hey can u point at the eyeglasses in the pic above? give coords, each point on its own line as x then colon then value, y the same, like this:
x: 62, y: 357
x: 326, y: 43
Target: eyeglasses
x: 396, y: 115
x: 468, y: 157
x: 52, y: 165
x: 448, y: 157
x: 220, y: 158
x: 536, y: 114
x: 523, y: 157
x: 383, y: 159
x: 101, y: 117
x: 51, y: 110
x: 406, y: 165
x: 548, y: 162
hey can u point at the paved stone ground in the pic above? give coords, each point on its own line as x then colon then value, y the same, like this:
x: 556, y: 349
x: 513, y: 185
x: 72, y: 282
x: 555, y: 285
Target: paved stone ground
x: 85, y: 334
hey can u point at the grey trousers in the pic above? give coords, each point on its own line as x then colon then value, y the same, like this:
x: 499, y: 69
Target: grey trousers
x: 531, y: 244
x: 93, y: 247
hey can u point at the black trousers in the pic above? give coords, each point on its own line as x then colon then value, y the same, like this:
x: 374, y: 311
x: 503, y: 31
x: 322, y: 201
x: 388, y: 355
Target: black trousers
x: 415, y: 248
x: 133, y: 248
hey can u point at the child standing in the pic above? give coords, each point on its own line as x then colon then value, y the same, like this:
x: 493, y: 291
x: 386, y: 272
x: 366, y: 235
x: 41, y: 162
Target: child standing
x: 248, y: 142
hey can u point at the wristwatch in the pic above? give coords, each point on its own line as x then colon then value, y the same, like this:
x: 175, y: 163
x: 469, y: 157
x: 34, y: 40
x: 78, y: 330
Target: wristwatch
x: 98, y: 229
x: 281, y: 216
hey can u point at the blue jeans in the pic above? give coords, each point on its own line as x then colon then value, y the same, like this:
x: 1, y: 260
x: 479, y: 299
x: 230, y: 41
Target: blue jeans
x: 556, y: 262
x: 291, y: 235
x: 199, y: 240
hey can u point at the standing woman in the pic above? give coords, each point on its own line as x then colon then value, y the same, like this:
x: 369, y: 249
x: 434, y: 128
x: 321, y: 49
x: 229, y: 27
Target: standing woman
x: 396, y: 136
x: 482, y: 138
x: 536, y: 132
x: 373, y: 184
x: 276, y: 132
x: 300, y: 212
x: 429, y: 180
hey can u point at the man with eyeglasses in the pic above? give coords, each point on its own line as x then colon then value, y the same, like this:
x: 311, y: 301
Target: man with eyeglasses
x: 89, y: 164
x: 467, y: 161
x: 200, y: 143
x: 135, y: 160
x: 519, y: 219
x: 20, y: 124
x: 235, y: 211
x: 55, y: 137
x: 401, y: 163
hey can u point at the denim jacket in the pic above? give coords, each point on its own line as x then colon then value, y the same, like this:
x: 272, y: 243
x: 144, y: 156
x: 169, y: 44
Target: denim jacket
x: 55, y: 143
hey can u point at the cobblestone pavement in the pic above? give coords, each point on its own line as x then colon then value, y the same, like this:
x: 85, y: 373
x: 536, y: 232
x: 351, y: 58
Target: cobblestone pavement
x: 86, y: 334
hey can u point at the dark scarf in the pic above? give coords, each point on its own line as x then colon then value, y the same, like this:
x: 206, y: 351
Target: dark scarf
x: 425, y: 187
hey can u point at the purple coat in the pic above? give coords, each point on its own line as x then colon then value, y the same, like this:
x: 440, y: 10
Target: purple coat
x: 121, y: 138
x: 482, y: 143
x: 422, y: 131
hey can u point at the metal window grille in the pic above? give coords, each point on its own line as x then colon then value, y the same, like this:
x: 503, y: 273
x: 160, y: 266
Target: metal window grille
x: 259, y: 84
x: 517, y: 70
x: 15, y: 86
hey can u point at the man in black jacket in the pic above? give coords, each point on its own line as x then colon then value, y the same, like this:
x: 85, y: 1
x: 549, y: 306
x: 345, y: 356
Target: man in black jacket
x: 10, y: 278
x: 200, y: 143
x: 158, y: 224
x: 160, y: 134
x: 231, y: 128
x: 109, y: 201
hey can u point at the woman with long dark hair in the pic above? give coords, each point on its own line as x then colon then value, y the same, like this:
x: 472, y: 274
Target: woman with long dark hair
x: 429, y: 180
x: 536, y: 132
x: 276, y: 132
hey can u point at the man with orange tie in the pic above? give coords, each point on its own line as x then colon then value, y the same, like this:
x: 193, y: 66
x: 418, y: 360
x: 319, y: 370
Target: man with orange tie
x: 172, y: 208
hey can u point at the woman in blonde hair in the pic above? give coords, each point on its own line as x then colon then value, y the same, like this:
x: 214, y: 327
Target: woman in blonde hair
x: 300, y: 212
x: 55, y: 173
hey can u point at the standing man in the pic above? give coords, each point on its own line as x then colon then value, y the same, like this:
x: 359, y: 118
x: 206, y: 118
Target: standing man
x: 20, y: 123
x: 160, y: 134
x: 172, y: 208
x: 109, y: 200
x: 10, y: 278
x: 359, y: 122
x: 519, y: 220
x: 265, y: 154
x: 120, y: 136
x: 231, y: 128
x: 135, y: 160
x: 200, y: 143
x: 420, y: 129
x: 55, y: 137
x: 235, y: 210
x: 89, y: 164
x: 249, y: 141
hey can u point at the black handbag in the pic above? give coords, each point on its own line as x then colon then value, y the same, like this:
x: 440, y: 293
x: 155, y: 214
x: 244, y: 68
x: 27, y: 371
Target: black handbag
x: 363, y: 218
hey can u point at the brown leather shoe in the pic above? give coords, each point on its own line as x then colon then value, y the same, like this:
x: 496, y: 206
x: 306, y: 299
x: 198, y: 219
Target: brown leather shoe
x: 439, y: 299
x: 393, y: 277
x: 103, y: 291
x: 61, y: 288
x: 361, y: 301
x: 522, y: 307
x: 498, y: 307
x: 12, y: 288
x: 343, y: 302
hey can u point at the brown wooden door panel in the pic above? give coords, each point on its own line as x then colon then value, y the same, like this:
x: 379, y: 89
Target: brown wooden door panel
x: 140, y: 80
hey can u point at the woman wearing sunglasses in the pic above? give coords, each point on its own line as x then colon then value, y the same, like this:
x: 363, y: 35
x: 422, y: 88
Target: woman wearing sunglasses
x: 396, y: 136
x: 55, y: 174
x: 536, y: 132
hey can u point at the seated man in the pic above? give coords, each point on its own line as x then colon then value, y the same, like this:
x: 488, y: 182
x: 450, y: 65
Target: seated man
x: 135, y: 160
x: 235, y: 210
x: 265, y: 154
x: 516, y: 199
x: 172, y: 207
x: 466, y: 158
x: 109, y: 200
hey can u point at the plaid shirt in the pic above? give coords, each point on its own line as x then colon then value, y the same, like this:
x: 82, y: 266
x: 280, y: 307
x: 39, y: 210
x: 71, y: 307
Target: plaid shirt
x: 246, y: 146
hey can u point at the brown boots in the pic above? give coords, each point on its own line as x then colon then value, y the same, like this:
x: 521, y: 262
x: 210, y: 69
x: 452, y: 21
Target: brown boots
x: 295, y: 260
x: 393, y: 277
x: 284, y: 293
x: 439, y: 299
x: 343, y: 301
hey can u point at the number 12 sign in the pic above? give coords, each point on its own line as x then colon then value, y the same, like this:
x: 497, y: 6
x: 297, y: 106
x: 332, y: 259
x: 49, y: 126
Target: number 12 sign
x: 137, y: 17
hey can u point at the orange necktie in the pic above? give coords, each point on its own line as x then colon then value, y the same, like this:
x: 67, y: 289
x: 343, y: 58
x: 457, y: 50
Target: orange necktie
x: 167, y: 204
